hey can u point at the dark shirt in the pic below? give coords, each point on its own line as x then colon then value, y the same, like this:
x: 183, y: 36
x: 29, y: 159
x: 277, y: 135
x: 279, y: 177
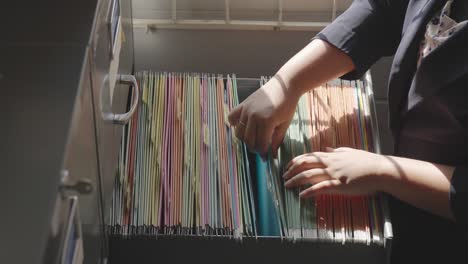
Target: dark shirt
x: 428, y: 108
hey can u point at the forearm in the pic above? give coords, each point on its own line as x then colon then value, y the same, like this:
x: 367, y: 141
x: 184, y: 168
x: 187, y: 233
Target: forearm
x: 423, y: 184
x: 314, y: 65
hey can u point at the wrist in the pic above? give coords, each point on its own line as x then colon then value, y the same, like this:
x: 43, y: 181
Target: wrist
x: 386, y: 172
x: 289, y: 88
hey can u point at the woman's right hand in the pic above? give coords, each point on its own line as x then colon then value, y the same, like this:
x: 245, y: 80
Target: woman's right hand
x: 262, y: 119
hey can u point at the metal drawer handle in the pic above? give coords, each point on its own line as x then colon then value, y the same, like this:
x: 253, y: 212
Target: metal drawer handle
x: 122, y: 119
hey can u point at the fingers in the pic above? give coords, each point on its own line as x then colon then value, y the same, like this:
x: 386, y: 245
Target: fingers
x: 264, y: 136
x: 324, y: 187
x: 308, y: 157
x: 256, y: 138
x: 241, y: 126
x: 302, y: 163
x: 329, y: 149
x: 312, y: 176
x: 250, y: 135
x: 234, y: 115
x: 342, y: 149
x: 278, y: 136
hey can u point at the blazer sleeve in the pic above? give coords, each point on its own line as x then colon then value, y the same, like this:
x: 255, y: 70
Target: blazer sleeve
x: 459, y: 196
x: 366, y: 31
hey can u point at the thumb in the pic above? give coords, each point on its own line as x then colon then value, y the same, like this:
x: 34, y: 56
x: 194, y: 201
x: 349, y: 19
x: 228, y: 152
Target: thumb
x: 278, y: 136
x: 235, y: 115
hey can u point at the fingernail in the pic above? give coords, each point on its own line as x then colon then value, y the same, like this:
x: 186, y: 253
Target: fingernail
x: 287, y: 184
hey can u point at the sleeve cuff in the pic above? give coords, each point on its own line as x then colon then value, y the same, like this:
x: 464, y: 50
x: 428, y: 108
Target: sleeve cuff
x: 366, y: 31
x: 359, y: 70
x: 459, y: 195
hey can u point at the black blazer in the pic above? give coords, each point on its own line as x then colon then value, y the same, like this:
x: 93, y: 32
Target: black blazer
x: 428, y: 106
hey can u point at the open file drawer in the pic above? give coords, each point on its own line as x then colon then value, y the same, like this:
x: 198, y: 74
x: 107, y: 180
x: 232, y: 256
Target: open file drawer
x: 146, y: 246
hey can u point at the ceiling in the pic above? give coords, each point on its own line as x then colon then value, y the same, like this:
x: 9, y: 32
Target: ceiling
x: 293, y: 10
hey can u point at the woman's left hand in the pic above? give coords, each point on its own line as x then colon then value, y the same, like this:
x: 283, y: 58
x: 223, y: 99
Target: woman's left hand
x: 343, y: 171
